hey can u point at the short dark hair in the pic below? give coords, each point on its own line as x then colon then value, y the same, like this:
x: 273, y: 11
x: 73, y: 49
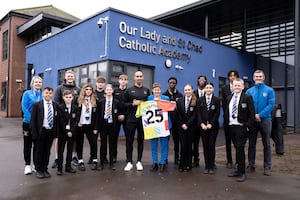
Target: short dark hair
x: 235, y: 72
x: 210, y: 83
x: 48, y: 88
x: 172, y: 78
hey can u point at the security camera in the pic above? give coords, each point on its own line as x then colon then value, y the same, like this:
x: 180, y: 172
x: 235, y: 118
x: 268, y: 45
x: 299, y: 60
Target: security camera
x: 178, y: 67
x: 101, y: 21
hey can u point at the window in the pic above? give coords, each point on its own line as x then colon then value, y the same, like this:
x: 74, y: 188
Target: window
x: 5, y: 46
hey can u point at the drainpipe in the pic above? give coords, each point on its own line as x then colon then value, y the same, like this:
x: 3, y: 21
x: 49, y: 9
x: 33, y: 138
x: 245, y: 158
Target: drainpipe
x: 8, y: 66
x: 296, y: 57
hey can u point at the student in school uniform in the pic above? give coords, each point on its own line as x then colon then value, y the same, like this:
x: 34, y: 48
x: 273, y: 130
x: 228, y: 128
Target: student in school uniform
x: 87, y: 104
x: 43, y: 125
x: 107, y: 117
x: 68, y: 119
x: 187, y: 121
x: 208, y: 121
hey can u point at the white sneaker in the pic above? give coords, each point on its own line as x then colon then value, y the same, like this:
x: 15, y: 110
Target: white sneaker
x: 139, y: 166
x: 27, y: 170
x: 128, y: 167
x: 33, y: 168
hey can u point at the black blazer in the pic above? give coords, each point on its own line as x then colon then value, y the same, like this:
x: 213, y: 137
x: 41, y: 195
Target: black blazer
x: 37, y: 118
x: 189, y: 118
x: 116, y: 106
x: 210, y: 116
x: 65, y: 117
x: 246, y: 113
x: 196, y: 92
x: 226, y: 95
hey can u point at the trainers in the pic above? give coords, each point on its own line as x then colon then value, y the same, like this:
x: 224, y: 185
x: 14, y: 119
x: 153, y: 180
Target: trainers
x: 55, y: 163
x: 267, y: 171
x: 81, y: 166
x: 128, y: 167
x: 33, y: 168
x: 75, y: 161
x: 27, y: 170
x: 139, y: 166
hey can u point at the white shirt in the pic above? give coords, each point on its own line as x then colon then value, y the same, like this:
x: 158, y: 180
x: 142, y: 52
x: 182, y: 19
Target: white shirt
x: 85, y: 117
x: 201, y: 92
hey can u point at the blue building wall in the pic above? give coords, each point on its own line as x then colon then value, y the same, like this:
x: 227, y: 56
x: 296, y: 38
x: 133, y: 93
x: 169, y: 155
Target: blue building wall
x: 84, y: 43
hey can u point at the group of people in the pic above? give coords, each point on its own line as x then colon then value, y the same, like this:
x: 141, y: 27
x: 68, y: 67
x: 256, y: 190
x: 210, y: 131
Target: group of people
x: 75, y: 112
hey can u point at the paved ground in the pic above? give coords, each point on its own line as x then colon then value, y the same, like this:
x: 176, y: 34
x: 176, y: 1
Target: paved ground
x: 106, y: 184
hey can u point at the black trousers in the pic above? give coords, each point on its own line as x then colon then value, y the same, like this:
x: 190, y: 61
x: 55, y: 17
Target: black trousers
x: 239, y: 135
x: 195, y: 145
x: 28, y: 145
x: 61, y: 148
x: 44, y: 144
x: 185, y: 138
x: 228, y: 142
x: 118, y: 128
x: 92, y: 139
x: 209, y: 138
x: 175, y: 136
x: 131, y: 127
x: 108, y: 135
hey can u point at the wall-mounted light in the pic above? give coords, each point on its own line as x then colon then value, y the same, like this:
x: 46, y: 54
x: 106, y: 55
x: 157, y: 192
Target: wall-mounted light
x: 168, y: 63
x: 178, y: 67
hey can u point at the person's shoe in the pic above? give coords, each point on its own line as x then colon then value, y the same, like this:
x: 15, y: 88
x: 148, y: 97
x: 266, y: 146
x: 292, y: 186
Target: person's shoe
x: 241, y: 178
x: 139, y: 166
x: 267, y: 171
x: 70, y: 170
x: 188, y: 169
x: 33, y: 168
x: 59, y: 173
x: 90, y: 161
x: 105, y: 161
x: 75, y: 161
x: 212, y: 171
x: 40, y: 174
x: 229, y: 165
x: 55, y: 163
x: 113, y: 167
x: 162, y: 167
x: 47, y: 174
x: 250, y: 169
x: 128, y: 167
x: 154, y: 167
x: 180, y: 169
x: 95, y: 166
x: 233, y: 174
x: 205, y: 171
x: 81, y: 166
x: 101, y: 166
x: 27, y: 170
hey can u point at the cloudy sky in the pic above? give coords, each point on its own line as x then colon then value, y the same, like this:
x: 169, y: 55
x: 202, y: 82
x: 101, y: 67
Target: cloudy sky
x: 86, y: 8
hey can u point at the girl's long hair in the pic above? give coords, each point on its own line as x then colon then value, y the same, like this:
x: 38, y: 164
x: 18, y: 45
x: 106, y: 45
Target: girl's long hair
x: 82, y: 95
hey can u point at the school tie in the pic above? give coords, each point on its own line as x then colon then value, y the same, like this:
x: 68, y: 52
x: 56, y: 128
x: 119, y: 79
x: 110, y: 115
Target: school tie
x: 234, y: 107
x: 187, y: 103
x: 87, y: 106
x: 208, y: 103
x: 107, y: 110
x: 50, y: 116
